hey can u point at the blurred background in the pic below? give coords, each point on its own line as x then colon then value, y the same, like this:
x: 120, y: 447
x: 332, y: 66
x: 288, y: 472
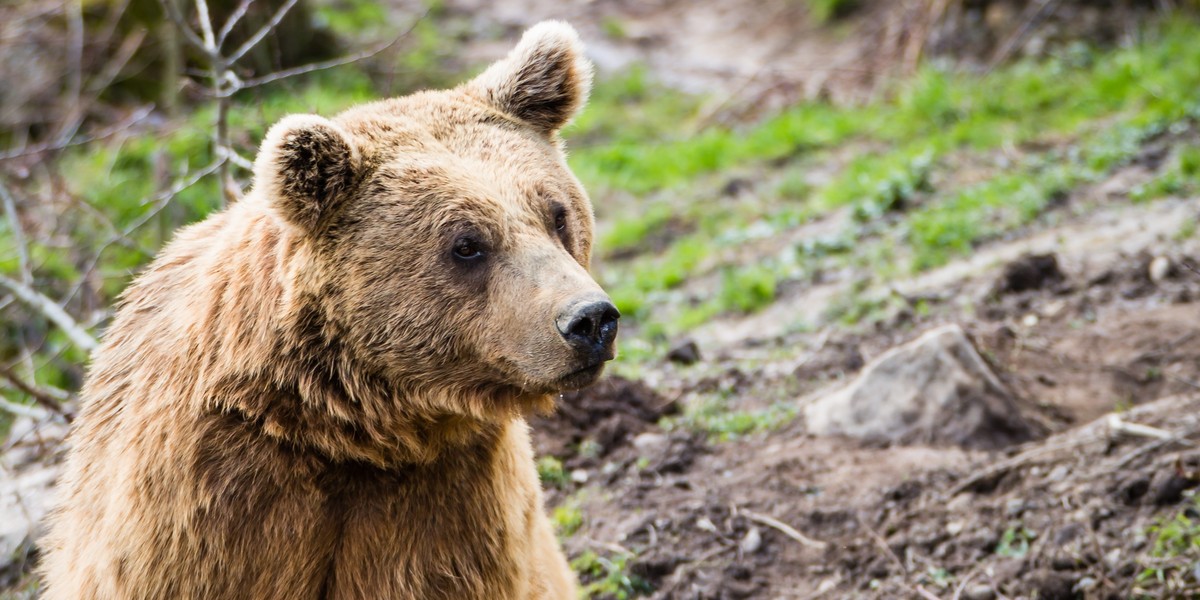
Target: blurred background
x: 789, y: 193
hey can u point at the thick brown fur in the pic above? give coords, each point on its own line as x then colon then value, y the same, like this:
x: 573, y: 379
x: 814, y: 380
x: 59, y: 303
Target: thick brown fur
x: 310, y: 396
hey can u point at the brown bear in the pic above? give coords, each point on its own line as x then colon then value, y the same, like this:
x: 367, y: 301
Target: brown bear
x: 319, y: 392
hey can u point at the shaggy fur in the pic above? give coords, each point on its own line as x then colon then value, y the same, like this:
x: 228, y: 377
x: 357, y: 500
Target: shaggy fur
x: 310, y: 395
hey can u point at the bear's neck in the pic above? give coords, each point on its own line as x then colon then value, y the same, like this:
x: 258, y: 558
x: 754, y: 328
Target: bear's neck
x: 269, y: 357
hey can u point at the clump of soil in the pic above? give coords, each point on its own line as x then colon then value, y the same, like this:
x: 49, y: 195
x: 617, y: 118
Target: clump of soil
x: 1030, y: 272
x: 607, y: 415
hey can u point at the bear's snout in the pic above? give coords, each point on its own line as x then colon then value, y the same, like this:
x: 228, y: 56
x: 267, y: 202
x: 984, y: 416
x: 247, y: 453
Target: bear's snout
x: 589, y: 325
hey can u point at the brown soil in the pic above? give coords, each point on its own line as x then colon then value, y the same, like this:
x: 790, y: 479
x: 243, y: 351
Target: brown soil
x: 1067, y: 516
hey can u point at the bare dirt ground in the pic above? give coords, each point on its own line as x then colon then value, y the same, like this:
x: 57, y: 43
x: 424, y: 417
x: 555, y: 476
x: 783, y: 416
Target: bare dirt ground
x: 1099, y: 340
x: 1062, y: 517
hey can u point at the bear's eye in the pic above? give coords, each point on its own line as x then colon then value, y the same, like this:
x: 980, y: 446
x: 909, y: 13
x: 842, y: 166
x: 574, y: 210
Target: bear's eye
x: 467, y: 248
x: 560, y: 221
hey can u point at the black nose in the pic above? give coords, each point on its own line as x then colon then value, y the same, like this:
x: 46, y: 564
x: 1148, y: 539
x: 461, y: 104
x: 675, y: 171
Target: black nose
x: 590, y: 326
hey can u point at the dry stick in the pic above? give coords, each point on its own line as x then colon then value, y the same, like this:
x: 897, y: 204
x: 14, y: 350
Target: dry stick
x: 74, y: 10
x: 49, y: 400
x: 319, y: 66
x: 261, y: 33
x: 924, y: 593
x: 232, y: 21
x: 14, y: 221
x: 103, y: 80
x: 1018, y: 38
x: 138, y: 115
x: 785, y: 529
x: 51, y: 310
x: 882, y: 543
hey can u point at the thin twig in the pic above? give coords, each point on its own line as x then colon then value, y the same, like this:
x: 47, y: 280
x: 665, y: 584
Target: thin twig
x: 882, y: 543
x: 21, y: 410
x: 322, y: 65
x: 924, y: 593
x: 232, y: 21
x: 74, y: 90
x: 785, y: 529
x: 52, y: 311
x: 137, y: 115
x: 189, y: 34
x: 50, y: 400
x: 18, y: 232
x: 206, y: 30
x: 261, y: 33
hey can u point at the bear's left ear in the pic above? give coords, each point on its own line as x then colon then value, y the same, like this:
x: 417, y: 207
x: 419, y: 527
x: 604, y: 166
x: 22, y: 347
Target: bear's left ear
x: 307, y: 167
x: 544, y: 81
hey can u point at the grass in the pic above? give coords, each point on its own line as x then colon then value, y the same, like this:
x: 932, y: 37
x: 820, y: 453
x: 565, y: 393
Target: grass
x: 1174, y: 551
x: 1062, y: 123
x: 713, y: 416
x: 608, y: 576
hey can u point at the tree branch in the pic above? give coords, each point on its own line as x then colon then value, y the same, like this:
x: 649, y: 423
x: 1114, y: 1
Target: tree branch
x: 232, y: 21
x: 10, y: 211
x: 52, y: 311
x: 261, y: 33
x: 48, y: 398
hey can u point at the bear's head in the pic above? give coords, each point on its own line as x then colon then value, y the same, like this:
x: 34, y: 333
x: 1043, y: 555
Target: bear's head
x: 441, y: 242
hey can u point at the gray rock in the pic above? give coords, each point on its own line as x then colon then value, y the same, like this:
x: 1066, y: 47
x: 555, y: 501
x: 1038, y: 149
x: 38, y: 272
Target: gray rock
x: 751, y: 542
x: 934, y: 390
x: 979, y: 591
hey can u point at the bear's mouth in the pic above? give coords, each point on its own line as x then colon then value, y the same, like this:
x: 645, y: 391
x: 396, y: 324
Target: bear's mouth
x: 582, y: 377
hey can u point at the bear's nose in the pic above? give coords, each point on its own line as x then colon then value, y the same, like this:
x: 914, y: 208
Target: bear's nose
x: 590, y: 326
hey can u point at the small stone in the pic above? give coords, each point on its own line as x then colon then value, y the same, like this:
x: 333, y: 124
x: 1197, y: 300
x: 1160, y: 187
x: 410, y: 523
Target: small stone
x: 979, y: 591
x: 955, y: 527
x: 751, y: 542
x: 579, y: 476
x: 685, y: 353
x: 826, y: 586
x: 1014, y: 507
x: 704, y: 524
x: 1058, y: 474
x: 1169, y: 489
x: 1160, y: 269
x: 1113, y: 558
x: 650, y: 443
x: 1084, y: 585
x: 1029, y: 320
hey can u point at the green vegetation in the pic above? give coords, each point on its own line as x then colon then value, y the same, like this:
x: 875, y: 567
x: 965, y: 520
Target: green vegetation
x: 1175, y: 549
x: 607, y: 577
x: 567, y: 518
x: 712, y: 415
x: 550, y: 471
x: 945, y: 162
x: 1014, y: 542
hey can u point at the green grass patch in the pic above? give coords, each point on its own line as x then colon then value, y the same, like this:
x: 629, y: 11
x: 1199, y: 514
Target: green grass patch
x: 608, y: 576
x: 1175, y: 549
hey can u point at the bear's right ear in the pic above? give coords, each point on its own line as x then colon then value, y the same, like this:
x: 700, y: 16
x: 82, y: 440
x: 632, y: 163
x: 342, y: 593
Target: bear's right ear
x: 544, y: 81
x: 307, y: 167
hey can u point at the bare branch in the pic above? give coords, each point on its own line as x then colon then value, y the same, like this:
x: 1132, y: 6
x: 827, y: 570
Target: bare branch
x: 52, y: 311
x: 137, y: 115
x: 48, y: 398
x: 74, y: 89
x: 320, y: 66
x: 180, y: 22
x: 210, y: 41
x: 785, y: 529
x: 262, y: 32
x: 14, y: 221
x: 232, y: 21
x: 21, y: 410
x: 97, y: 85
